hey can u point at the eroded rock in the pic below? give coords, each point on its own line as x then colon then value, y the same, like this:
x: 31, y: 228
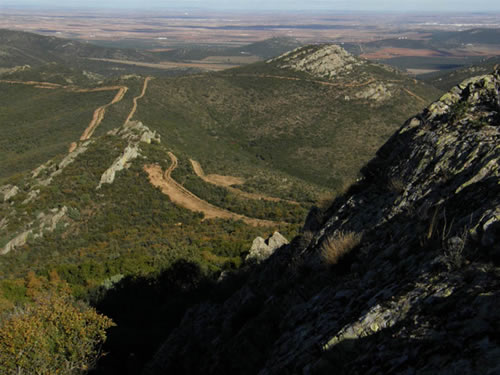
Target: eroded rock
x: 262, y: 249
x: 8, y: 191
x: 45, y: 222
x: 325, y: 61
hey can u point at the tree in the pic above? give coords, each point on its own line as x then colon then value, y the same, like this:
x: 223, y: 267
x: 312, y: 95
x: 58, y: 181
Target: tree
x: 54, y: 334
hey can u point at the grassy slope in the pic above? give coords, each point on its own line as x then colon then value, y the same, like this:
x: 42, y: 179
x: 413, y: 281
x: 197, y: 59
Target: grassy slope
x: 37, y: 124
x: 301, y: 128
x: 19, y: 48
x: 104, y: 237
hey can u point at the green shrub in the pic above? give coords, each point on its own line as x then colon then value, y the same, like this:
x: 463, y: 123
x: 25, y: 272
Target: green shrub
x: 52, y: 335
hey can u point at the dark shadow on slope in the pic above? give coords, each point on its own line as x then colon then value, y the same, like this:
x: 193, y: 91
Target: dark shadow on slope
x: 146, y: 309
x: 248, y: 327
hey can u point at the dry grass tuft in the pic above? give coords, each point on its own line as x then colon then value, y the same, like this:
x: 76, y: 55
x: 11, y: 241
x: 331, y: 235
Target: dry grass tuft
x: 396, y: 185
x: 336, y: 246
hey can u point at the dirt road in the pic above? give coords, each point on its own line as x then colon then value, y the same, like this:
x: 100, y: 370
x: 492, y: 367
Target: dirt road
x: 215, y: 179
x: 98, y: 115
x: 134, y: 106
x: 40, y: 85
x: 415, y: 95
x: 228, y: 181
x: 184, y: 198
x: 323, y: 83
x: 99, y: 112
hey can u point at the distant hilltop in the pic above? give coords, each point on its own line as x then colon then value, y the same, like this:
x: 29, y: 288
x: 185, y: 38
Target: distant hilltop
x: 323, y: 61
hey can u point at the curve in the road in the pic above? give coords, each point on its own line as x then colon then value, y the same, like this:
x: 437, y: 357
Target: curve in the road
x: 184, y: 198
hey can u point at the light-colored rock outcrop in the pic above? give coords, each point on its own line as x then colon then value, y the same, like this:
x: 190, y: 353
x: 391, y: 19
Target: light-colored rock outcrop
x: 46, y: 222
x: 8, y: 191
x: 262, y: 249
x: 134, y: 132
x: 51, y: 170
x: 376, y: 91
x: 325, y: 61
x: 130, y: 153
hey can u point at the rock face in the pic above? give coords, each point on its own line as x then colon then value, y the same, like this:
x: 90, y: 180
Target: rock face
x: 420, y: 294
x: 130, y: 153
x: 325, y: 61
x: 135, y: 132
x: 46, y: 172
x: 44, y: 223
x: 8, y: 191
x: 262, y: 249
x: 377, y: 92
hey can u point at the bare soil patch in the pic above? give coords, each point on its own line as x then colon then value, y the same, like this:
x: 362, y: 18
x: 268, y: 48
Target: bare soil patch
x: 215, y: 179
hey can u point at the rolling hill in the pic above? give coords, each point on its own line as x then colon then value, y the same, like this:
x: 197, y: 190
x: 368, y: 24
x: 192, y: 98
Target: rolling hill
x: 447, y: 79
x: 277, y: 115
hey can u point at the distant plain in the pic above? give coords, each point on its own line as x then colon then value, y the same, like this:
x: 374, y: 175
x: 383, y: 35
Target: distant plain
x: 418, y: 43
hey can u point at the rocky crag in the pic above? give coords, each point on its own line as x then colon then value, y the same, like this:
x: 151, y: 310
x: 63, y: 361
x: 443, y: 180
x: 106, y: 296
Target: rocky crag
x: 324, y: 61
x: 417, y: 290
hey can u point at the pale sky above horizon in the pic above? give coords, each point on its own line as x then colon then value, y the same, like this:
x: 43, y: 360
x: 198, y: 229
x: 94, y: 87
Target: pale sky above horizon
x: 255, y: 5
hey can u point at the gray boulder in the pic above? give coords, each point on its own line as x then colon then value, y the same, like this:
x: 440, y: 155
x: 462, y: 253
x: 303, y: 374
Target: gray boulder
x: 262, y: 249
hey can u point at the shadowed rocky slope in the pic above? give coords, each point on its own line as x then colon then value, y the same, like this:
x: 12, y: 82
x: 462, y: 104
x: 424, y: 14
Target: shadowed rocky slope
x: 419, y: 293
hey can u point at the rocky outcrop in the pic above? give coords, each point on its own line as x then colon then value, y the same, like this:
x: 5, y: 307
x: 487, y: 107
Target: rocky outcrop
x: 46, y: 172
x: 262, y: 249
x: 324, y: 61
x: 419, y: 294
x: 135, y: 132
x: 376, y: 92
x: 130, y: 153
x: 44, y: 223
x: 8, y: 191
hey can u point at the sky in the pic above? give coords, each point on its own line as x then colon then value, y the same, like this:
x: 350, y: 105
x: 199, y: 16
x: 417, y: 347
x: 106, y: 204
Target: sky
x: 353, y: 5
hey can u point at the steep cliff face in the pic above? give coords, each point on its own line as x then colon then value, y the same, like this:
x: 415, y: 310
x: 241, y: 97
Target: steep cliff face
x: 418, y: 291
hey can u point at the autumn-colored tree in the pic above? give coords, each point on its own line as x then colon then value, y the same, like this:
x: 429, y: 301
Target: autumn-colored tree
x: 53, y: 334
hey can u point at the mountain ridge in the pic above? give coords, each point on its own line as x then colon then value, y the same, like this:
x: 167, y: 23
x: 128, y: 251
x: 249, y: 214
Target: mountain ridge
x: 416, y: 294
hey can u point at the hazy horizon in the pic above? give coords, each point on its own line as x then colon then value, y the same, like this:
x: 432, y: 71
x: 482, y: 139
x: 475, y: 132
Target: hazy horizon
x: 263, y: 5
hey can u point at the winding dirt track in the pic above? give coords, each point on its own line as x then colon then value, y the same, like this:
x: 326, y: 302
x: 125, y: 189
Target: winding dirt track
x: 415, y: 95
x: 134, y: 107
x: 228, y: 181
x: 183, y: 197
x: 98, y: 115
x: 99, y: 112
x: 215, y: 179
x: 40, y: 85
x: 323, y: 83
